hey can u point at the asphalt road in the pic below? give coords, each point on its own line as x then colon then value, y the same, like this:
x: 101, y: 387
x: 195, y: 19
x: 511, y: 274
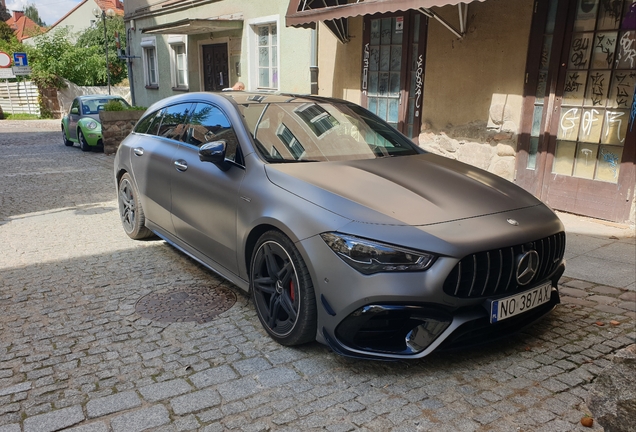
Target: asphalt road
x: 75, y: 351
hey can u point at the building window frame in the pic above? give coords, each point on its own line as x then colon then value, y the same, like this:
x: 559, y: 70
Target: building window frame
x: 270, y: 46
x: 151, y: 70
x: 178, y: 62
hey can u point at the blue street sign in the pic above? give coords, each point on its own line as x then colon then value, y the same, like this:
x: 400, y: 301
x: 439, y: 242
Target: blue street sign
x: 20, y: 59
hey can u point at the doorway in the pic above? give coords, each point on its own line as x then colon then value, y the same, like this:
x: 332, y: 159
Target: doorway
x: 577, y: 144
x: 394, y: 52
x: 215, y: 67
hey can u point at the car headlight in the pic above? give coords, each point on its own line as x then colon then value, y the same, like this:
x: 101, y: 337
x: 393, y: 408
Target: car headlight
x: 370, y: 257
x: 91, y: 125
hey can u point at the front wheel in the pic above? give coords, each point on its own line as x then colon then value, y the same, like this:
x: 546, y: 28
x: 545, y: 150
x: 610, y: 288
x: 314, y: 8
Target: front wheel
x: 130, y: 210
x: 282, y: 290
x: 82, y: 140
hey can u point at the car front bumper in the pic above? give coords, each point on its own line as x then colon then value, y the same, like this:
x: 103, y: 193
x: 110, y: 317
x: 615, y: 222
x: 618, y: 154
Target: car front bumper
x: 406, y: 315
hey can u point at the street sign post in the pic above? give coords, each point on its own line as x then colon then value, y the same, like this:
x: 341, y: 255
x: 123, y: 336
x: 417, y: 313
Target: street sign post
x: 20, y: 59
x: 6, y: 73
x: 5, y: 60
x: 22, y: 70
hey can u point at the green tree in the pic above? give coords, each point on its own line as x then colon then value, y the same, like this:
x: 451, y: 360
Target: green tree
x: 32, y: 12
x: 6, y: 33
x: 94, y: 37
x: 8, y: 42
x: 4, y: 13
x: 56, y: 58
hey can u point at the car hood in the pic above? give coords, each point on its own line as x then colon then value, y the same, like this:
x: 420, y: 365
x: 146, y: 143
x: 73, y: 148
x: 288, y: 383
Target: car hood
x: 410, y: 190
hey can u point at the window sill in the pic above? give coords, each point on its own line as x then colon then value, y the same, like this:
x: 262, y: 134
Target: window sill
x: 152, y: 87
x: 182, y: 89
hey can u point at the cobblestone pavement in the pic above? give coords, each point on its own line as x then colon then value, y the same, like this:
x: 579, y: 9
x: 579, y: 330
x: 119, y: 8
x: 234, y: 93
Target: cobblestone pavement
x: 75, y: 354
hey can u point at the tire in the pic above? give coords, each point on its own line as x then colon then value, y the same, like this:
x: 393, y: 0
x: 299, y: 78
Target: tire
x: 82, y: 141
x: 67, y: 142
x: 282, y: 290
x: 130, y: 210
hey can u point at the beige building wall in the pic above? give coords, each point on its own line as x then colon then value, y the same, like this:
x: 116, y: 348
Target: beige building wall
x: 473, y: 87
x: 340, y: 65
x: 463, y: 78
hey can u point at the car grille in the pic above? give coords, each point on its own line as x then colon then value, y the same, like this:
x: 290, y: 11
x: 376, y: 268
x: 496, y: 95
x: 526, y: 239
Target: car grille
x: 485, y: 274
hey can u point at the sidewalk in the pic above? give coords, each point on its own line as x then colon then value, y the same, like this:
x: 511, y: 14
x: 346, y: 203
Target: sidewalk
x: 600, y: 252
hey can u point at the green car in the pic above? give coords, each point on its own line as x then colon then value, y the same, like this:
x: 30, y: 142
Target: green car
x: 81, y: 124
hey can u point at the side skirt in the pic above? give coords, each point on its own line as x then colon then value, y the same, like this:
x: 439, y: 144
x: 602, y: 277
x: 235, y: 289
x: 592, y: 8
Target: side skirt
x: 200, y: 258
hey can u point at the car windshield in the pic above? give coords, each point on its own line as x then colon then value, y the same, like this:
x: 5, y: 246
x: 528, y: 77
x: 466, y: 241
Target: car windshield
x: 95, y: 105
x: 305, y: 130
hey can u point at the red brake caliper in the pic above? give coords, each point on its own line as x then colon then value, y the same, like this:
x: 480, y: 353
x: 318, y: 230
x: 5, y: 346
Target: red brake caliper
x: 292, y: 295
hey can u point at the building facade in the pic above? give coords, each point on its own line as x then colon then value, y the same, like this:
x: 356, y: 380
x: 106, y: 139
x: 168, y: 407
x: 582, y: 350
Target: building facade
x: 210, y: 45
x: 541, y: 92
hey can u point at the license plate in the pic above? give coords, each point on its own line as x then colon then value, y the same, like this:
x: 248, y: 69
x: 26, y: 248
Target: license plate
x: 514, y: 305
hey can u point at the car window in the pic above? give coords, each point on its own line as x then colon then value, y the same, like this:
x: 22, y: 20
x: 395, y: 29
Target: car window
x: 75, y: 104
x: 208, y: 124
x: 95, y: 105
x: 174, y: 121
x: 143, y: 125
x: 320, y: 131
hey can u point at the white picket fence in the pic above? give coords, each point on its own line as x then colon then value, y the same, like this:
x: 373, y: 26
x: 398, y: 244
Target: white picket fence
x: 19, y: 97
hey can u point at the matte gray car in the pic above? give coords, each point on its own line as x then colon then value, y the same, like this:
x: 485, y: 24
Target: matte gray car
x: 340, y: 228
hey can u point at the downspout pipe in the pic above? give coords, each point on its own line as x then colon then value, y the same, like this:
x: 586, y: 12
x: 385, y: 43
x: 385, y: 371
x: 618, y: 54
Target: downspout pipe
x: 313, y: 67
x: 131, y: 79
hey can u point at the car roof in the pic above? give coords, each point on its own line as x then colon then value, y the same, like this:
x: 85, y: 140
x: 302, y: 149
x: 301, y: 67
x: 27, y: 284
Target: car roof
x: 90, y: 97
x: 246, y: 98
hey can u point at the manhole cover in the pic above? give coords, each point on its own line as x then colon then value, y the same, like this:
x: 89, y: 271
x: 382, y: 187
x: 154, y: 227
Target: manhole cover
x: 188, y: 304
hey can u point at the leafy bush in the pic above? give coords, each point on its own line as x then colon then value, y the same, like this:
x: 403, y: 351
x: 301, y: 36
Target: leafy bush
x: 114, y: 105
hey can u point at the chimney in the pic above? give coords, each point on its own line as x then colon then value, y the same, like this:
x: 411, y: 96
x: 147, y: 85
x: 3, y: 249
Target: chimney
x: 17, y: 15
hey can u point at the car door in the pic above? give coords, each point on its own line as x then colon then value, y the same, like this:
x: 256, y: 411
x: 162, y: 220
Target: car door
x: 204, y: 197
x: 157, y: 140
x: 73, y: 119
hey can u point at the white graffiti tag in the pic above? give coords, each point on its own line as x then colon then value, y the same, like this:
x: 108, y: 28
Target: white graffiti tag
x: 569, y: 121
x: 589, y: 118
x: 628, y: 50
x: 365, y: 70
x: 614, y: 118
x: 418, y: 85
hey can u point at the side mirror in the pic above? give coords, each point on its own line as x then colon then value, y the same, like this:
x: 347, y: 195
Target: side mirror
x: 214, y: 152
x: 75, y: 110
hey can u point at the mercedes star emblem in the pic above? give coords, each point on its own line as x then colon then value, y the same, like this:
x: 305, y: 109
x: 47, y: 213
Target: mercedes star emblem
x: 527, y: 266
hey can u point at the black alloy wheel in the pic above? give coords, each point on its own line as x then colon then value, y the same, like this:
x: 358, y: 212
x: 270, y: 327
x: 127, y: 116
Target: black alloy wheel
x: 67, y: 142
x: 282, y: 290
x: 130, y: 210
x: 82, y: 141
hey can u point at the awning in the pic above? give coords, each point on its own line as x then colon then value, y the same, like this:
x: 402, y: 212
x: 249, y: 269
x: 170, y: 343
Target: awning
x: 305, y: 13
x: 190, y: 26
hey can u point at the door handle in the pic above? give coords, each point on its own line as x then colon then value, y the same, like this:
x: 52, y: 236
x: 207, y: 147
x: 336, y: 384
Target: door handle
x: 181, y: 165
x: 139, y: 151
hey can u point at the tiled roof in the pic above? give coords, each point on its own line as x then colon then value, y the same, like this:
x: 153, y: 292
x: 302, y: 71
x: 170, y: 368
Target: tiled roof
x: 24, y: 27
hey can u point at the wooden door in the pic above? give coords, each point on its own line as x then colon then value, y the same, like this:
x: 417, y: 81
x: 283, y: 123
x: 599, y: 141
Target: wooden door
x: 578, y: 141
x: 215, y: 67
x: 393, y: 69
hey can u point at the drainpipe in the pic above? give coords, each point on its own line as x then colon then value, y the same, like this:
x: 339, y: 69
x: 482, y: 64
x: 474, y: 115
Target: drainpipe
x: 313, y: 68
x: 129, y: 58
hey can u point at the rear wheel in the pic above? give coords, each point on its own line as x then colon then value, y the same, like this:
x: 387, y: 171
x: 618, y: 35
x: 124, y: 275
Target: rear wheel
x: 282, y: 290
x: 83, y: 143
x: 130, y: 210
x: 67, y: 142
